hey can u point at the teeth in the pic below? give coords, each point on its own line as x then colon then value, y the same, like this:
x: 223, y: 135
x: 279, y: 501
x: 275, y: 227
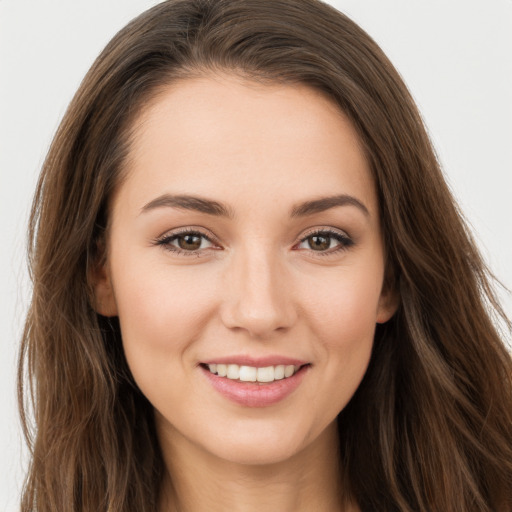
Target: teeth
x: 266, y: 374
x: 279, y: 372
x: 248, y: 373
x: 253, y: 374
x: 289, y: 371
x: 233, y: 372
x: 222, y: 370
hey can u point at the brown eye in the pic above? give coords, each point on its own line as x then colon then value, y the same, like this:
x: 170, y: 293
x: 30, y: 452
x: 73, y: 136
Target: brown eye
x: 189, y: 242
x: 319, y: 242
x: 325, y: 242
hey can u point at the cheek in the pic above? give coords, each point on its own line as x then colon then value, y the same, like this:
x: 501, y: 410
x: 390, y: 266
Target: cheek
x: 345, y: 309
x: 161, y: 311
x: 343, y: 319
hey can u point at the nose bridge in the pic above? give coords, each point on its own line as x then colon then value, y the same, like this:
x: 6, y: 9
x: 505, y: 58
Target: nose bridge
x: 259, y: 298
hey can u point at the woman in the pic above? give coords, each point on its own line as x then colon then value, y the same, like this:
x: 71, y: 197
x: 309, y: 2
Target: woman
x: 252, y: 288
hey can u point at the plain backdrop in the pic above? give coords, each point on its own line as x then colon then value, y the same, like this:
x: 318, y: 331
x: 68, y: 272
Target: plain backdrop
x: 455, y: 56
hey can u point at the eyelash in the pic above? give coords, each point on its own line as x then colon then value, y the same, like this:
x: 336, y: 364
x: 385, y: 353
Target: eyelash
x: 345, y: 242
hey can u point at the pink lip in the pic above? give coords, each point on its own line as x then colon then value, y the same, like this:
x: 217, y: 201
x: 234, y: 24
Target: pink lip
x: 259, y: 362
x: 253, y: 394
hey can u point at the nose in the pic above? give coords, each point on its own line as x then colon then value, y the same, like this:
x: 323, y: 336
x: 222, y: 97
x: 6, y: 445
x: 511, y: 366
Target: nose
x: 258, y: 295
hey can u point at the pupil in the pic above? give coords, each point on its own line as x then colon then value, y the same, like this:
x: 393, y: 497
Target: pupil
x: 319, y: 242
x: 189, y: 242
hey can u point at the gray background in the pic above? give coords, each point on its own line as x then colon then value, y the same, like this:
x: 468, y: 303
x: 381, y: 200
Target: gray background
x: 453, y: 54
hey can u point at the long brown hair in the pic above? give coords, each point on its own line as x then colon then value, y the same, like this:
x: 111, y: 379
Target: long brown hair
x: 430, y: 427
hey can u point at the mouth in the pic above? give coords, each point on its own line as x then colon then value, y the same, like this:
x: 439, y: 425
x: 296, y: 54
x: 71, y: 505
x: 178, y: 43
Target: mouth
x: 254, y: 386
x: 254, y: 374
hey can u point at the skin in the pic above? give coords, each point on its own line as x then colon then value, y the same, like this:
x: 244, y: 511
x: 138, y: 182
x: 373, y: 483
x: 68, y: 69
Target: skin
x: 256, y: 288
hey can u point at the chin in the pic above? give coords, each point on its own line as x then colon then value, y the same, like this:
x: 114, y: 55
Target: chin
x: 261, y: 443
x: 257, y: 452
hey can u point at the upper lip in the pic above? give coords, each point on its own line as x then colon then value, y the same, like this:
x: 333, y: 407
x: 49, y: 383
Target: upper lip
x: 258, y: 362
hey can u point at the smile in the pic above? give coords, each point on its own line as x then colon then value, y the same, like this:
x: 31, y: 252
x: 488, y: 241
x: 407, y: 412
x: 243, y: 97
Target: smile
x: 252, y: 373
x: 255, y: 383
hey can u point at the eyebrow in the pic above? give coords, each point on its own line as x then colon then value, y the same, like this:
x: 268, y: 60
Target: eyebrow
x: 186, y: 202
x: 211, y: 207
x: 325, y: 203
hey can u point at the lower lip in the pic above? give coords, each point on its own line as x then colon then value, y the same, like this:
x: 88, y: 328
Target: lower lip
x: 252, y: 394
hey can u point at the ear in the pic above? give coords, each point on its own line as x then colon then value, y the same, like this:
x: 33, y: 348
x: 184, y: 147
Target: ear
x: 389, y: 301
x: 104, y: 301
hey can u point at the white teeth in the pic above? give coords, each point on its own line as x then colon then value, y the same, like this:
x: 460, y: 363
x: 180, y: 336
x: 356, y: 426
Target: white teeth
x: 253, y: 374
x: 248, y: 373
x: 233, y: 371
x: 279, y: 372
x: 266, y: 374
x: 289, y: 370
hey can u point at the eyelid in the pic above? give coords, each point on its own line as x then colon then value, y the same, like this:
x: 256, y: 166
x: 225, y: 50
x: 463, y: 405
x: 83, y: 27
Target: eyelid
x: 323, y: 229
x: 185, y: 230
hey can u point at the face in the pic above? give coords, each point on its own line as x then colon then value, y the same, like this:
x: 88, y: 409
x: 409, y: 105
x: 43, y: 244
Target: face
x: 245, y: 239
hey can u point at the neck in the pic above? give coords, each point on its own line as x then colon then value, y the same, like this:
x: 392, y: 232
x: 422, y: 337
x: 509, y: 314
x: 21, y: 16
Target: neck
x: 198, y: 481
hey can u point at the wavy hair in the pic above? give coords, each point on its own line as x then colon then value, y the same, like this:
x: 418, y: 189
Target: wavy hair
x: 430, y: 427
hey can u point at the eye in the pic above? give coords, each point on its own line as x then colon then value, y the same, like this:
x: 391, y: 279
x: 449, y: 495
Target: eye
x: 325, y: 241
x: 186, y: 242
x: 191, y: 241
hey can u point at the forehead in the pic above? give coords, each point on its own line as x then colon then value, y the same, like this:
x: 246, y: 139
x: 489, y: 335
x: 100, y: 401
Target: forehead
x: 245, y: 142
